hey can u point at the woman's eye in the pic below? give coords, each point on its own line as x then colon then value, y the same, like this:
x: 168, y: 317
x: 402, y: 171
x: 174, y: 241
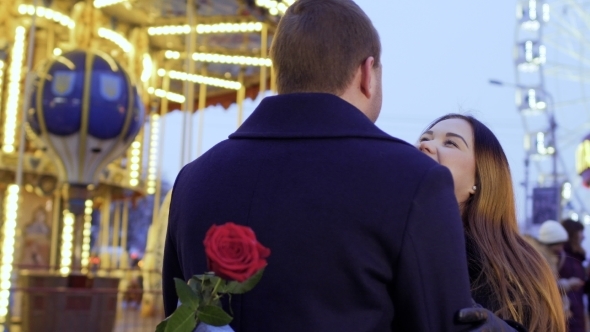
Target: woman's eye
x: 451, y: 143
x: 422, y: 139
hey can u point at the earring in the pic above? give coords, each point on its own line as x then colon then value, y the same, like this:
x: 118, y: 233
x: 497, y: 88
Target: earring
x: 474, y: 188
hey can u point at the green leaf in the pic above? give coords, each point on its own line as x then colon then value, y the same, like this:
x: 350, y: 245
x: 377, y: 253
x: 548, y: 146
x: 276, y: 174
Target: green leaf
x: 213, y: 315
x: 162, y: 326
x: 182, y: 320
x: 186, y: 294
x: 234, y: 287
x: 195, y: 285
x: 209, y: 280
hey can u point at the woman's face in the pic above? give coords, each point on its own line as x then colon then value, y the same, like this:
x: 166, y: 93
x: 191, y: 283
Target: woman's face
x: 450, y: 143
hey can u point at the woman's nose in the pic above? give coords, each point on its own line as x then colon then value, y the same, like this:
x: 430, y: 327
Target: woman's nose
x: 427, y: 147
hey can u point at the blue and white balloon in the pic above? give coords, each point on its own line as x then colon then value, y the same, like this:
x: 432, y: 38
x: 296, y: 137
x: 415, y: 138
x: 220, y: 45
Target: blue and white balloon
x: 87, y: 111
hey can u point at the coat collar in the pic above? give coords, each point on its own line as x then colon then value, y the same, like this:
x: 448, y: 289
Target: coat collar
x: 308, y: 115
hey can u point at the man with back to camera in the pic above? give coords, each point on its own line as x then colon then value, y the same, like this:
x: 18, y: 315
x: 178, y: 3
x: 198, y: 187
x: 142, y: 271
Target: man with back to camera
x: 364, y: 230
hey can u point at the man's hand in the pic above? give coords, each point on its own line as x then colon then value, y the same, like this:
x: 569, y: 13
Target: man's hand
x: 484, y: 320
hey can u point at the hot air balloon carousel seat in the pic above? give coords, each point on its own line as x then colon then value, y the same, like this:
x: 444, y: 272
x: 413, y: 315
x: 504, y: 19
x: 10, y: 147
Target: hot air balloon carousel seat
x: 84, y: 112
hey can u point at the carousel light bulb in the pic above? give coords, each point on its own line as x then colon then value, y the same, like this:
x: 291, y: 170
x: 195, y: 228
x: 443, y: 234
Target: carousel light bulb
x: 13, y: 99
x: 8, y: 234
x: 67, y: 239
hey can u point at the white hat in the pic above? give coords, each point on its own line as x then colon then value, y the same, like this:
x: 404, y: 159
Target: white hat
x: 552, y: 232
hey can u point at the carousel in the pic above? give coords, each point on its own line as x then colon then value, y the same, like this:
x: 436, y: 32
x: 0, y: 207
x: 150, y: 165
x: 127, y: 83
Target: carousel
x: 85, y: 87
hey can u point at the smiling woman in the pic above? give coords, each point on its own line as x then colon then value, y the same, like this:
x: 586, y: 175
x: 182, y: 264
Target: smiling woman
x: 450, y: 143
x: 507, y: 275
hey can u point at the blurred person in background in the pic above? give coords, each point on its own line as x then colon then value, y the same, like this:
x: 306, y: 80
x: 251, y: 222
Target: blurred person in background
x: 550, y: 243
x: 572, y: 274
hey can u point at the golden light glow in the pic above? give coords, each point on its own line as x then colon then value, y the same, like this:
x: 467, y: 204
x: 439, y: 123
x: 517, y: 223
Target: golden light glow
x: 206, y: 28
x: 2, y: 65
x: 86, y: 234
x: 583, y: 157
x: 14, y: 90
x: 169, y: 30
x: 47, y: 13
x: 222, y: 58
x: 148, y: 67
x: 199, y: 79
x: 67, y: 239
x: 116, y: 38
x: 106, y: 3
x: 57, y: 51
x: 229, y: 27
x: 135, y: 161
x: 175, y: 97
x: 8, y: 240
x: 153, y: 153
x: 275, y: 7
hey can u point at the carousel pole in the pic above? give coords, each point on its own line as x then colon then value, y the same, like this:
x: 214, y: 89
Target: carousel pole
x: 189, y: 85
x: 124, y: 262
x: 105, y: 225
x: 202, y: 103
x: 56, y: 208
x: 163, y: 111
x: 240, y: 97
x: 116, y: 233
x: 264, y: 55
x: 11, y: 200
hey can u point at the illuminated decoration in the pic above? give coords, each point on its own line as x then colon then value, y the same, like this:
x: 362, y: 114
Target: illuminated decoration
x: 583, y: 161
x: 541, y: 143
x: 2, y: 64
x: 135, y: 162
x: 116, y: 38
x: 67, y: 242
x: 566, y: 191
x: 206, y: 28
x: 106, y: 3
x: 153, y: 153
x: 531, y: 54
x: 14, y: 93
x: 47, y: 13
x: 275, y: 7
x: 175, y: 97
x: 86, y: 234
x: 148, y: 67
x: 531, y: 100
x: 57, y: 51
x: 222, y: 58
x: 182, y: 76
x: 546, y: 12
x: 87, y: 111
x: 229, y: 27
x: 8, y: 240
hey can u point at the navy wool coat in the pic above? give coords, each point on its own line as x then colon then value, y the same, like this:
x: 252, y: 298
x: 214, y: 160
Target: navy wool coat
x: 364, y: 229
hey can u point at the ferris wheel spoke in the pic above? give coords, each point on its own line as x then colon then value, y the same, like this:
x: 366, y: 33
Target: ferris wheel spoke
x: 580, y: 11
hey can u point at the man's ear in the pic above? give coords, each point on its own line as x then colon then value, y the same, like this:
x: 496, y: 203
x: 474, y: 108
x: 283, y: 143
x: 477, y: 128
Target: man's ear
x: 367, y: 77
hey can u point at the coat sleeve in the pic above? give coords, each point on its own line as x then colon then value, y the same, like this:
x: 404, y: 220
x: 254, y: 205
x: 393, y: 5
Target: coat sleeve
x: 170, y: 270
x: 432, y: 282
x: 171, y: 263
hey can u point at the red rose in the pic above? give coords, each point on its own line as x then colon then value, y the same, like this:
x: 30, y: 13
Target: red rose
x: 233, y: 252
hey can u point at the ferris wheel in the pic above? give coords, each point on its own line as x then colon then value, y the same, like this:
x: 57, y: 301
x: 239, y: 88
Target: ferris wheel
x: 552, y: 75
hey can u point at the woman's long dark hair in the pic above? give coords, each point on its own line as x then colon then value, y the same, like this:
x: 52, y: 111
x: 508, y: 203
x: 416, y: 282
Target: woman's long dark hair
x: 517, y: 274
